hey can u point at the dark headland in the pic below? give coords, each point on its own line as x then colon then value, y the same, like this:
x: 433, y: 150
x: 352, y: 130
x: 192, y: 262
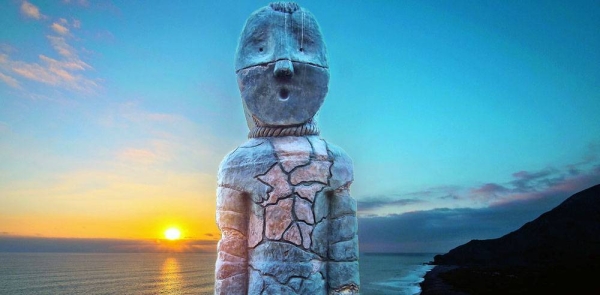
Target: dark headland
x: 557, y: 253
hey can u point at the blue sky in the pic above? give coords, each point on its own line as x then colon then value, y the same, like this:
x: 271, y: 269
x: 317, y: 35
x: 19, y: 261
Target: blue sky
x: 462, y: 117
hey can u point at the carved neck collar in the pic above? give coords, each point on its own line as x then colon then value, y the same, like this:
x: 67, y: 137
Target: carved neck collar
x: 308, y: 128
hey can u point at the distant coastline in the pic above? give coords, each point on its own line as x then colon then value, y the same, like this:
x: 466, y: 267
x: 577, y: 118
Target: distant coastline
x: 555, y: 253
x: 22, y: 244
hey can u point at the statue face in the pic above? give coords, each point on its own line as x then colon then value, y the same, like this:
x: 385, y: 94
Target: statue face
x: 281, y: 67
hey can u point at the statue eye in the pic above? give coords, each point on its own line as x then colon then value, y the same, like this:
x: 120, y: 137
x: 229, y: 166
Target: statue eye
x: 301, y: 49
x: 260, y: 49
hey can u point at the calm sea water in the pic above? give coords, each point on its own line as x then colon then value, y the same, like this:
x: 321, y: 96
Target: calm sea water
x: 169, y: 273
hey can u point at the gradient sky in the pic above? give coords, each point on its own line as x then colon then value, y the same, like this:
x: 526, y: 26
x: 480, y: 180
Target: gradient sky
x: 464, y: 119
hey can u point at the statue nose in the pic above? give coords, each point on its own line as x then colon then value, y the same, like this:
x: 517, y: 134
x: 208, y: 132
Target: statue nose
x: 284, y: 69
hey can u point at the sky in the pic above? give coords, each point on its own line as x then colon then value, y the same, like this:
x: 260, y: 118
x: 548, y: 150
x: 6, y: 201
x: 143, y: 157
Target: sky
x: 464, y: 119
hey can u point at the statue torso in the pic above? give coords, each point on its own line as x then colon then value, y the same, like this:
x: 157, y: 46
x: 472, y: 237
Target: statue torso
x: 287, y: 181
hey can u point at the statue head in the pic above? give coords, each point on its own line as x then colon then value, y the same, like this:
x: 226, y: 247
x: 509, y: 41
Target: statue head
x: 281, y: 66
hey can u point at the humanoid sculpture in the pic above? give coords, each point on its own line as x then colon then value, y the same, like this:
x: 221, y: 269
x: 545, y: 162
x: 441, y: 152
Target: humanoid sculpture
x: 287, y: 220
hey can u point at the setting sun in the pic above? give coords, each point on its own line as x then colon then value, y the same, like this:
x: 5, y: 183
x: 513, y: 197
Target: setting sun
x: 172, y: 234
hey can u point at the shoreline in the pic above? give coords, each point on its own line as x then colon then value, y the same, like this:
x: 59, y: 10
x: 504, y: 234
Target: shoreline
x: 433, y: 284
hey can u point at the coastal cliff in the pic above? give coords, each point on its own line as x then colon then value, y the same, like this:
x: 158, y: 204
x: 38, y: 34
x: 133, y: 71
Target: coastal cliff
x: 553, y: 253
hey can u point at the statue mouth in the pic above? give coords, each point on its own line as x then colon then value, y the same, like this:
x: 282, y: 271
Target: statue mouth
x: 284, y: 94
x: 280, y: 101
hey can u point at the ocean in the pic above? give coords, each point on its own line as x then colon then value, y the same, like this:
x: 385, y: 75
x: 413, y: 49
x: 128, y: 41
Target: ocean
x: 171, y: 273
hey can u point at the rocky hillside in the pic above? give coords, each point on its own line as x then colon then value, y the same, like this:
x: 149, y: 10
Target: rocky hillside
x: 554, y: 254
x: 567, y: 235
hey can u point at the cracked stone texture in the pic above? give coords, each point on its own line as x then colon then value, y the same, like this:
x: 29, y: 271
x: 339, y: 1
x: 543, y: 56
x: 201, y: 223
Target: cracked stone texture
x: 303, y: 209
x: 291, y: 234
x: 308, y: 191
x: 278, y: 218
x: 291, y: 152
x: 287, y: 220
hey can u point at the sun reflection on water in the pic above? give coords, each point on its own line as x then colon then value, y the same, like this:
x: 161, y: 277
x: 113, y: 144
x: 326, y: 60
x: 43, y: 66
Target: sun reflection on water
x: 170, y: 277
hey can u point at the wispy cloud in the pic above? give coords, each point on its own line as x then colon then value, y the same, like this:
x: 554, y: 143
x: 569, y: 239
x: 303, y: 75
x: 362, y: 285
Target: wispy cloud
x: 30, y: 10
x: 66, y: 70
x: 410, y: 201
x: 10, y: 81
x: 61, y: 29
x: 62, y: 73
x: 527, y: 184
x: 368, y: 205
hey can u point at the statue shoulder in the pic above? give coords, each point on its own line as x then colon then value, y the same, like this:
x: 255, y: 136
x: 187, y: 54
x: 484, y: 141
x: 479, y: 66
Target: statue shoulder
x: 252, y: 151
x: 342, y: 170
x: 338, y: 154
x: 240, y: 167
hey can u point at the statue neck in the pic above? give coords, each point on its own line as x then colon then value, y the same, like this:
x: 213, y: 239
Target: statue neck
x: 308, y: 128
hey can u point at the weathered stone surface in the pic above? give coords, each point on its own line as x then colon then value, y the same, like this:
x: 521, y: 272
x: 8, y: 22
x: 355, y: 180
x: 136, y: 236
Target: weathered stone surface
x: 303, y: 210
x: 224, y: 256
x: 315, y: 285
x: 277, y: 180
x: 306, y: 231
x: 342, y: 228
x: 281, y: 261
x: 232, y: 285
x: 255, y: 229
x: 308, y: 191
x: 283, y: 204
x: 343, y: 274
x: 229, y: 269
x: 256, y: 283
x: 295, y: 283
x: 292, y: 234
x: 232, y: 220
x: 344, y: 250
x: 281, y: 82
x: 341, y: 170
x: 278, y: 218
x: 230, y: 200
x: 238, y: 169
x: 321, y: 207
x: 342, y: 204
x: 315, y: 171
x: 233, y: 245
x: 320, y: 239
x: 319, y: 148
x: 273, y: 287
x: 292, y: 151
x: 285, y: 30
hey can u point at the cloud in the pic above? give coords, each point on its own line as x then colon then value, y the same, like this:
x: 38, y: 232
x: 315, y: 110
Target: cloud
x: 54, y: 72
x: 528, y: 183
x: 65, y: 69
x: 438, y: 230
x: 30, y: 10
x: 370, y: 204
x: 60, y: 28
x: 60, y: 45
x: 64, y: 72
x: 10, y: 81
x: 375, y: 205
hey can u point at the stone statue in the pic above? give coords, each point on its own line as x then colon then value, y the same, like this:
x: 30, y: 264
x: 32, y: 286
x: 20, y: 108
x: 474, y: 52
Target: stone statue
x: 287, y: 219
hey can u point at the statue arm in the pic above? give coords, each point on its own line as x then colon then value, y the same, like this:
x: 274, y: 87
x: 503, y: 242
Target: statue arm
x: 343, y: 230
x: 231, y: 273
